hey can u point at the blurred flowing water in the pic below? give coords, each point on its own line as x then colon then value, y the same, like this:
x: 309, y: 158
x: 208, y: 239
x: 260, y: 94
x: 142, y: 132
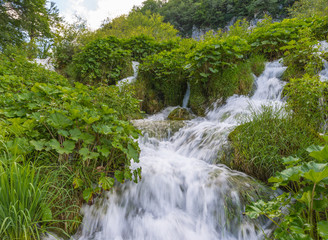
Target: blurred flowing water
x: 183, y: 195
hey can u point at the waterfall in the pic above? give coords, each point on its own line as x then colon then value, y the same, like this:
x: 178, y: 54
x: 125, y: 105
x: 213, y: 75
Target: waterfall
x: 186, y: 97
x: 131, y: 79
x: 182, y: 194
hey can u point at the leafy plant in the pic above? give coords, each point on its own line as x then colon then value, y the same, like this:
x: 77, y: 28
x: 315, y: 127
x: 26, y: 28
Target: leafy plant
x: 102, y: 60
x: 302, y: 212
x: 307, y: 98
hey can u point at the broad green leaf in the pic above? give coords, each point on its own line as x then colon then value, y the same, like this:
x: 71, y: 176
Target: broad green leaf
x: 38, y: 145
x: 290, y: 160
x: 306, y: 198
x: 316, y: 176
x: 75, y: 134
x: 119, y: 175
x: 133, y: 153
x: 59, y: 120
x: 106, y: 182
x: 103, y: 150
x: 87, y: 138
x: 88, y: 194
x: 322, y: 155
x: 323, y: 229
x: 63, y: 133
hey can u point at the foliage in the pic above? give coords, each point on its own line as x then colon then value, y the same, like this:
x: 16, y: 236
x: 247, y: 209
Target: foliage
x: 309, y: 8
x: 83, y: 126
x: 302, y: 56
x: 164, y: 75
x: 68, y: 39
x: 307, y: 97
x: 186, y: 15
x: 271, y: 39
x: 25, y: 207
x: 102, y: 60
x: 22, y: 20
x: 135, y: 24
x: 142, y: 46
x: 269, y: 134
x: 302, y: 212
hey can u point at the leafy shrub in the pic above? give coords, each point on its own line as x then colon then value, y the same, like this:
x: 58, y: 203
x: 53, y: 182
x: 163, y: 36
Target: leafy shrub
x: 270, y: 38
x: 102, y: 60
x: 142, y: 46
x: 306, y: 199
x: 269, y: 135
x: 307, y: 97
x: 164, y: 77
x: 302, y: 57
x: 83, y: 126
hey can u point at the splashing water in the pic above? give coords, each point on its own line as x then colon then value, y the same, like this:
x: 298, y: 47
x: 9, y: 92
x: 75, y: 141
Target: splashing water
x: 129, y: 80
x: 182, y: 195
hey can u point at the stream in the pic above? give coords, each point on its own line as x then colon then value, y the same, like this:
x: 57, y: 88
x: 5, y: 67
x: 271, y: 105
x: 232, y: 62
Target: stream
x: 183, y: 194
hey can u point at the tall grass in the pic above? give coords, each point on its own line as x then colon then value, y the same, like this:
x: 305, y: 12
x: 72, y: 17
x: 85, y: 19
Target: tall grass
x: 24, y: 209
x: 268, y: 135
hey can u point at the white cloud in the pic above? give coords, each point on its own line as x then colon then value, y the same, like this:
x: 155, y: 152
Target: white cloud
x: 99, y: 12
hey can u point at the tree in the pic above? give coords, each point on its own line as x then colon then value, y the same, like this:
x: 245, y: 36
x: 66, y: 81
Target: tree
x: 26, y: 20
x: 309, y: 8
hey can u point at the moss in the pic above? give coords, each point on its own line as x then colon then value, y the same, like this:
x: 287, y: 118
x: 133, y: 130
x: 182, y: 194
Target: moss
x: 197, y: 101
x: 257, y: 63
x: 180, y: 114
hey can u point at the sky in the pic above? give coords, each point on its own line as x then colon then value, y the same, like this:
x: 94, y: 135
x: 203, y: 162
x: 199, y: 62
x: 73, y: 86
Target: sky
x: 94, y: 11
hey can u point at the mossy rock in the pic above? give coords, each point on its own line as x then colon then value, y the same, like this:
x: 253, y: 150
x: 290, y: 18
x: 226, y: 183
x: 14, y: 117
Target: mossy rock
x: 180, y: 114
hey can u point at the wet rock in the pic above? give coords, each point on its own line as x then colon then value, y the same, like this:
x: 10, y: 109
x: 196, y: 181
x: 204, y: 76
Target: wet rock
x: 180, y: 114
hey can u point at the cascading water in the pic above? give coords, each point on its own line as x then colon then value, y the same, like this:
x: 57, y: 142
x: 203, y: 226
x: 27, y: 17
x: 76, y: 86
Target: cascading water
x: 182, y: 195
x: 186, y: 97
x: 128, y: 80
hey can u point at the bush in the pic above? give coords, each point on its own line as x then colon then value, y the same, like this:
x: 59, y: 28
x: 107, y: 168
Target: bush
x: 82, y: 126
x: 301, y: 212
x: 269, y: 135
x: 165, y: 78
x: 102, y: 60
x: 307, y: 97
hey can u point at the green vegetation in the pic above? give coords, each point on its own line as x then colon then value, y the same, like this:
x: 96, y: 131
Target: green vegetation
x: 65, y: 139
x: 306, y: 199
x: 212, y: 14
x: 269, y: 134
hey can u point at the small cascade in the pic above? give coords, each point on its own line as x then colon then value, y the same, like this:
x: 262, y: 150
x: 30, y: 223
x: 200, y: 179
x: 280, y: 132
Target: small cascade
x: 186, y: 97
x: 182, y: 195
x: 323, y: 46
x: 131, y: 79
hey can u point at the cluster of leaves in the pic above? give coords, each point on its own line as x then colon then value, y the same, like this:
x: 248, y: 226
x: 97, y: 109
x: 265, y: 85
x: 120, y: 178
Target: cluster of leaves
x: 137, y: 23
x: 302, y: 57
x: 271, y: 38
x: 302, y: 212
x: 102, y: 60
x: 81, y: 125
x: 269, y: 134
x: 307, y: 97
x: 165, y: 79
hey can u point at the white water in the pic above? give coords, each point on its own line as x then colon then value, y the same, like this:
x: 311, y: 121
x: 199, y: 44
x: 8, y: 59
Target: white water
x: 323, y: 46
x: 182, y: 195
x: 186, y: 97
x: 131, y: 79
